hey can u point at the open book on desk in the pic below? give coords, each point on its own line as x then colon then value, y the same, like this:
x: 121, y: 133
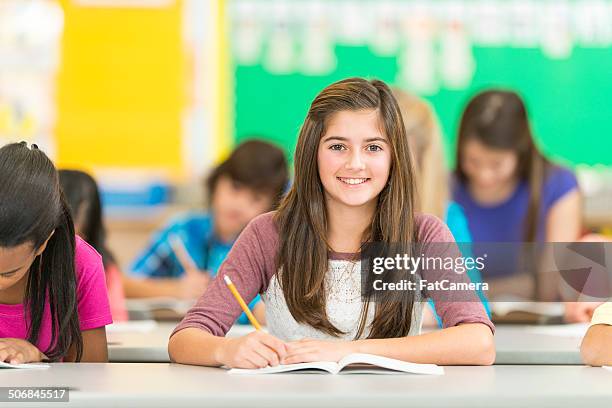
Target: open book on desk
x: 357, y: 363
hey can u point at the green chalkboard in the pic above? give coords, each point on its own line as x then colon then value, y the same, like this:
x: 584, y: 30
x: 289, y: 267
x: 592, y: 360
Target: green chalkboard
x: 568, y: 99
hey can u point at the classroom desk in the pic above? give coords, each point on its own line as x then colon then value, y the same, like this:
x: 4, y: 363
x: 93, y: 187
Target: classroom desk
x: 164, y: 385
x: 518, y: 344
x: 150, y: 346
x: 515, y: 345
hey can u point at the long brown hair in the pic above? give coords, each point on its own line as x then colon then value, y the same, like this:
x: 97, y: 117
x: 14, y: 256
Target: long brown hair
x: 302, y: 215
x: 498, y: 119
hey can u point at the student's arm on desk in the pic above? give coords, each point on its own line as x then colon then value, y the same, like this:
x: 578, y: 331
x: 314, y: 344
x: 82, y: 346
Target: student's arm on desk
x: 180, y: 288
x: 95, y: 348
x: 465, y: 344
x: 145, y: 287
x: 199, y: 347
x: 596, y: 347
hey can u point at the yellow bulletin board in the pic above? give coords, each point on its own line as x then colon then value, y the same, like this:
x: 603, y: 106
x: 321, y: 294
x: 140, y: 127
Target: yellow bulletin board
x: 121, y: 87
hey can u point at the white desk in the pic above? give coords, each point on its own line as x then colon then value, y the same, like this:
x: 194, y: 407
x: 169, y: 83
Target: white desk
x: 515, y: 345
x: 150, y: 346
x: 528, y: 345
x: 170, y: 385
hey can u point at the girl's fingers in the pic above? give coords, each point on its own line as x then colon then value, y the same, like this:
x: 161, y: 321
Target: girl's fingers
x: 275, y: 344
x: 7, y: 355
x: 256, y: 360
x: 300, y: 358
x: 17, y: 355
x: 300, y: 352
x: 296, y: 345
x: 268, y: 355
x: 16, y: 351
x: 18, y: 358
x: 297, y: 348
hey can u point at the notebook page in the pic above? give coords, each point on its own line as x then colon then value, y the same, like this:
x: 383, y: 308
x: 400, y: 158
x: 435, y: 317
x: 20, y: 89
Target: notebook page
x: 390, y: 363
x: 23, y: 366
x: 328, y: 366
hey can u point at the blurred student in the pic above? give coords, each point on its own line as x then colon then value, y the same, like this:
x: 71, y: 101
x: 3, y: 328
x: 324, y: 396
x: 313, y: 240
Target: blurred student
x: 53, y: 301
x: 433, y: 184
x: 354, y: 183
x: 83, y: 197
x: 183, y: 257
x: 596, y: 348
x: 508, y: 190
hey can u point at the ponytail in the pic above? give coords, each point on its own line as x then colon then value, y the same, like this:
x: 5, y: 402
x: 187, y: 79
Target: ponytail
x: 53, y: 273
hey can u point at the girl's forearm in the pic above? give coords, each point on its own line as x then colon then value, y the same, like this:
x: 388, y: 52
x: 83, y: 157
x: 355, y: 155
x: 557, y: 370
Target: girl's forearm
x: 466, y: 344
x: 595, y: 348
x: 146, y: 288
x: 195, y: 346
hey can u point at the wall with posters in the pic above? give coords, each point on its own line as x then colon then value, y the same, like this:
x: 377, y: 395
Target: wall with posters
x: 557, y: 54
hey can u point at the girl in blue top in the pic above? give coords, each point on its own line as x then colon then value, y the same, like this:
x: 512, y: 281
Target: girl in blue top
x: 250, y: 182
x: 508, y: 190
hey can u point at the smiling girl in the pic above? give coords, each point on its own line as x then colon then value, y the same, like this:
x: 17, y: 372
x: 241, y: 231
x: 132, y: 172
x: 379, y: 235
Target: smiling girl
x: 354, y: 183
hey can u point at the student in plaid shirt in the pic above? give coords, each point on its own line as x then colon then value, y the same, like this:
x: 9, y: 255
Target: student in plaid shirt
x: 183, y: 257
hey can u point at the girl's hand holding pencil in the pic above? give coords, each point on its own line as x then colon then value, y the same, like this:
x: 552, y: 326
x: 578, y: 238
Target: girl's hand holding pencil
x: 255, y: 350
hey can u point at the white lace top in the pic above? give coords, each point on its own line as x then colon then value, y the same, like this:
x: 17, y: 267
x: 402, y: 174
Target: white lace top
x: 343, y: 305
x: 252, y: 266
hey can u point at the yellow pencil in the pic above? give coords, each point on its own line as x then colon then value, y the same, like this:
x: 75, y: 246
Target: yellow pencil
x: 240, y: 300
